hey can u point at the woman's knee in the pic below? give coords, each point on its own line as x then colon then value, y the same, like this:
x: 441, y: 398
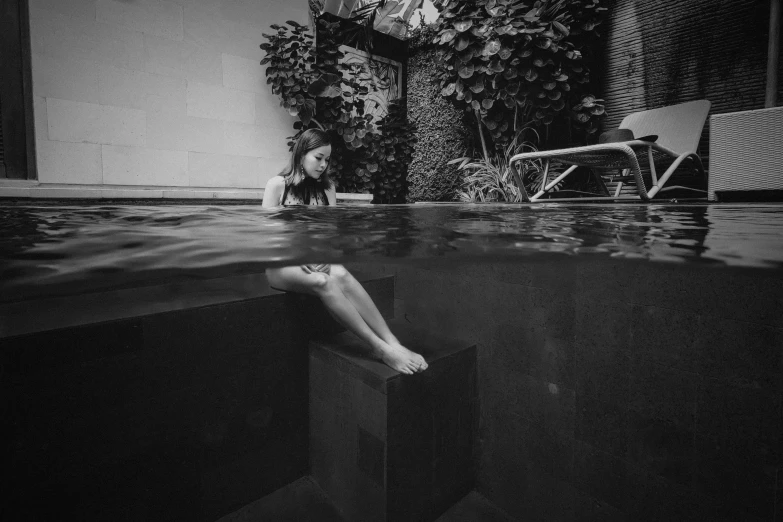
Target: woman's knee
x: 320, y: 282
x: 340, y: 274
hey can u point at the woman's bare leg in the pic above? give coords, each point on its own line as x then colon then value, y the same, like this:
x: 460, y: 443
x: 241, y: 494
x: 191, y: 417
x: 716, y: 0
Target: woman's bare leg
x: 364, y: 304
x: 325, y: 286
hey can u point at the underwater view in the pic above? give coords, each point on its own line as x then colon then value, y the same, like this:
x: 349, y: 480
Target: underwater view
x: 603, y: 362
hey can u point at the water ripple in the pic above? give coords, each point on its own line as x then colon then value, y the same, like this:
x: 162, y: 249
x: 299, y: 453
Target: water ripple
x: 49, y: 245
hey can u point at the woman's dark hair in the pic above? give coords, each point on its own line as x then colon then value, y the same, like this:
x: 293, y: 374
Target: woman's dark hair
x: 309, y: 140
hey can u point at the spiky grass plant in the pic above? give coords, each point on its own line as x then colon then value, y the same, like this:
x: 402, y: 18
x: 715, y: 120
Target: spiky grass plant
x: 489, y: 178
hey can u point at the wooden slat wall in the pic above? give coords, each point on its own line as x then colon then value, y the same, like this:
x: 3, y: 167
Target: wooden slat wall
x: 2, y: 150
x: 663, y: 52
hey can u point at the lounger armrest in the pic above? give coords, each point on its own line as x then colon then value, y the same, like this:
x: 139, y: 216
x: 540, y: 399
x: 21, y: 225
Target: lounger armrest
x: 607, y: 147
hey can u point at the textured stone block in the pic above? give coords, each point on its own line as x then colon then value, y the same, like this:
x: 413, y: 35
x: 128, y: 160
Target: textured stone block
x: 74, y: 8
x: 67, y: 37
x: 249, y: 12
x: 62, y: 162
x: 243, y: 74
x: 243, y: 139
x: 91, y: 123
x: 65, y: 79
x: 137, y: 166
x: 179, y: 132
x: 209, y: 101
x: 161, y: 17
x: 141, y: 90
x: 269, y: 113
x: 41, y: 120
x: 424, y: 460
x: 187, y: 59
x: 218, y: 170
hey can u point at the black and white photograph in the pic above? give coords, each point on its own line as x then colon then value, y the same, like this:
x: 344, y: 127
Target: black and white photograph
x: 391, y: 260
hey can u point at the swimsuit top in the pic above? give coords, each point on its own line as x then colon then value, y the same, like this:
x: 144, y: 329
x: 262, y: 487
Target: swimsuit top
x: 308, y: 192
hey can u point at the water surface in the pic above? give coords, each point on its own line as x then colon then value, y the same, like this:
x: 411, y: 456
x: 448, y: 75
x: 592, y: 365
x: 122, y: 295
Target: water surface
x: 103, y: 246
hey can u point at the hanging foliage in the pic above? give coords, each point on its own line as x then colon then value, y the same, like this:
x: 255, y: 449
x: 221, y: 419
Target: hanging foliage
x: 320, y: 90
x: 519, y: 62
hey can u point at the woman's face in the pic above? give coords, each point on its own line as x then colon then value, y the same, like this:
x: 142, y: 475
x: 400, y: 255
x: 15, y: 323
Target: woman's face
x: 314, y: 163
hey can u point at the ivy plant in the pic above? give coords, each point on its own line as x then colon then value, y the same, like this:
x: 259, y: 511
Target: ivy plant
x: 514, y: 62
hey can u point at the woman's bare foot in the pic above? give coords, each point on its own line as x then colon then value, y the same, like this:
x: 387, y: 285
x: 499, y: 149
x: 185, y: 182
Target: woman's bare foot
x: 399, y: 358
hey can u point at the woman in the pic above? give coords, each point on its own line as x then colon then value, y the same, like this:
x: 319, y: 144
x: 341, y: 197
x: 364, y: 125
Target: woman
x: 305, y: 181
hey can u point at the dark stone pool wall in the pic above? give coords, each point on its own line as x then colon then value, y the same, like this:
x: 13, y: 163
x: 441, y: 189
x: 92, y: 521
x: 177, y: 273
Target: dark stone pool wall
x: 614, y: 390
x: 187, y: 414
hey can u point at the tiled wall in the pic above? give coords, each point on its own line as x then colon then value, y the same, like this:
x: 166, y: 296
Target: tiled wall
x: 617, y: 390
x: 165, y: 93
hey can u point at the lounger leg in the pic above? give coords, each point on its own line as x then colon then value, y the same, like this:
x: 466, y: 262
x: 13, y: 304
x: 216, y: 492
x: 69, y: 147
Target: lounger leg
x: 666, y: 175
x: 518, y: 180
x: 619, y: 187
x: 653, y: 174
x: 553, y: 183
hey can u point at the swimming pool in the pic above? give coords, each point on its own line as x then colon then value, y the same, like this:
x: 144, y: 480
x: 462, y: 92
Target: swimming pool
x: 629, y: 355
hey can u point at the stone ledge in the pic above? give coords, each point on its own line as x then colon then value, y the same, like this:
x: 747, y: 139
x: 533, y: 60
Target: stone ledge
x: 41, y: 314
x: 33, y: 189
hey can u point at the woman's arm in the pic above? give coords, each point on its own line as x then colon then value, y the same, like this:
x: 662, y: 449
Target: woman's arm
x: 331, y: 196
x: 273, y: 192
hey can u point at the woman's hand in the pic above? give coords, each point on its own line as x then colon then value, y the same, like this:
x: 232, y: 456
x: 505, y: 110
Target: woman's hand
x: 311, y: 269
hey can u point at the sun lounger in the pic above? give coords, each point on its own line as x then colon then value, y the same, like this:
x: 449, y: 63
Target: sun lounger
x: 678, y: 128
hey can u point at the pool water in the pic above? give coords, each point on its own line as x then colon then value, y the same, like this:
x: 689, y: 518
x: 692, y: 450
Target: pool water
x: 629, y: 356
x: 74, y: 248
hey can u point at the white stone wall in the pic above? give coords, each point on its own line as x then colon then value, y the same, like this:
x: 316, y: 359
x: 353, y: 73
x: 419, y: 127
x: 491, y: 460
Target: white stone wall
x: 164, y: 94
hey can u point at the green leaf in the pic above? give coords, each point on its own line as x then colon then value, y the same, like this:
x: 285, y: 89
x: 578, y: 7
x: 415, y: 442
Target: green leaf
x: 448, y: 90
x: 478, y: 85
x: 562, y: 28
x: 466, y: 70
x: 491, y: 47
x: 487, y: 103
x: 463, y: 25
x: 495, y: 66
x: 447, y: 36
x: 466, y: 55
x: 462, y: 43
x: 543, y: 43
x: 504, y: 29
x: 532, y: 15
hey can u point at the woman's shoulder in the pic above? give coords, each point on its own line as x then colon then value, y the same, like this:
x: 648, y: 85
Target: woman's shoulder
x: 275, y: 182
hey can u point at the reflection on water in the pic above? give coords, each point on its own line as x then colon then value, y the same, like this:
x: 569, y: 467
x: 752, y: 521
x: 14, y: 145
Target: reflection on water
x: 106, y: 245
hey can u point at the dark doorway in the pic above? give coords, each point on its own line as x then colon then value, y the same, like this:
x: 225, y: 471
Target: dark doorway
x: 17, y: 134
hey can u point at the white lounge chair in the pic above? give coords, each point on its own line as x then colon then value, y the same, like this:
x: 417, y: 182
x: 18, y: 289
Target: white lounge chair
x: 678, y: 128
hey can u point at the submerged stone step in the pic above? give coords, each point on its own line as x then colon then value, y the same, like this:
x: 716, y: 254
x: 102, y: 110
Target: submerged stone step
x: 391, y: 447
x: 299, y: 500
